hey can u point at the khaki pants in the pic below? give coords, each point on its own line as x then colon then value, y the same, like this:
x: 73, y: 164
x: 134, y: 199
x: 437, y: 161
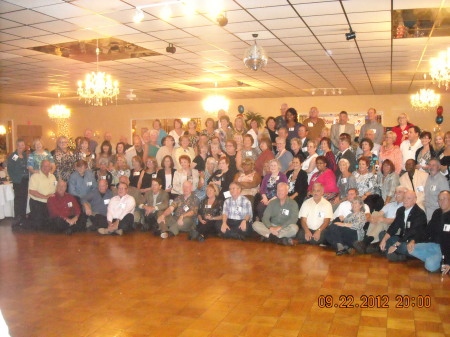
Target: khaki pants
x: 172, y: 225
x: 286, y: 232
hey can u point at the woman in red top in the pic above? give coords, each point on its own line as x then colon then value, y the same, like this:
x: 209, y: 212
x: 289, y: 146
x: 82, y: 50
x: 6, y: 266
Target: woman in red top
x: 401, y: 130
x: 326, y: 177
x: 265, y: 145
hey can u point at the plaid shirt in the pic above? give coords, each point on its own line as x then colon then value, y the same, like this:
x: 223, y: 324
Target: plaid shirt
x: 237, y: 209
x: 182, y: 205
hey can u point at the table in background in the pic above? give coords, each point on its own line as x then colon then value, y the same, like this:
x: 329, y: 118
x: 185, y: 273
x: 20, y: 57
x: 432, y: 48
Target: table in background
x: 6, y: 201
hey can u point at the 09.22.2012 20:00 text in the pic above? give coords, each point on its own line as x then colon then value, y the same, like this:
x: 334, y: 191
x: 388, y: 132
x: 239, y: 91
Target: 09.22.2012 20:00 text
x: 374, y: 301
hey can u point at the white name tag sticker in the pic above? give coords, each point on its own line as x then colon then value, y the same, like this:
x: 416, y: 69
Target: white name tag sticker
x: 186, y: 208
x: 408, y: 224
x: 15, y: 157
x: 285, y: 211
x: 277, y: 178
x: 405, y: 132
x: 207, y: 206
x: 121, y: 172
x: 83, y: 155
x: 55, y: 183
x: 158, y: 203
x: 122, y: 206
x: 446, y: 228
x: 433, y: 188
x: 92, y: 156
x: 321, y: 214
x: 106, y: 201
x: 69, y: 204
x: 310, y: 124
x: 136, y: 173
x: 374, y: 130
x: 226, y: 194
x: 304, y: 149
x: 154, y: 175
x: 103, y: 177
x: 423, y: 162
x: 291, y: 129
x: 370, y: 184
x: 419, y: 188
x: 248, y: 153
x: 344, y: 180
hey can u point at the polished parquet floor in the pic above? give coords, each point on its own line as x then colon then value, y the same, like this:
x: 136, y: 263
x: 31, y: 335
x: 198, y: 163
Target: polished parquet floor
x: 137, y: 285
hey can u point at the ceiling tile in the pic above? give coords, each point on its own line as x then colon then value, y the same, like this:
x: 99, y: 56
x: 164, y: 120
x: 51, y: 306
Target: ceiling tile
x: 276, y: 12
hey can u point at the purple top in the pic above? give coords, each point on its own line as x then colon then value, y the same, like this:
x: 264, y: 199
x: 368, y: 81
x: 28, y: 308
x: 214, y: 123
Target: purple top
x: 269, y: 185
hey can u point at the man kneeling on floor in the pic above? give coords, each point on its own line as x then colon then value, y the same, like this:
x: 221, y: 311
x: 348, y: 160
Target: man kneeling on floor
x: 96, y: 205
x: 279, y: 220
x: 411, y: 220
x: 184, y: 209
x: 120, y: 212
x: 65, y: 213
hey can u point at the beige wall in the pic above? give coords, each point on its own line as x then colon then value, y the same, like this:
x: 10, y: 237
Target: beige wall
x: 117, y: 118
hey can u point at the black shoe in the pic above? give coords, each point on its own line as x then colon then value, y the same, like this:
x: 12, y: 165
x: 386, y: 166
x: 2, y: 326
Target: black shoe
x: 145, y: 228
x: 68, y: 231
x: 342, y: 252
x: 287, y: 242
x: 273, y: 238
x: 156, y: 232
x: 263, y: 239
x: 373, y: 248
x: 170, y: 234
x: 201, y: 238
x: 360, y: 247
x: 395, y: 257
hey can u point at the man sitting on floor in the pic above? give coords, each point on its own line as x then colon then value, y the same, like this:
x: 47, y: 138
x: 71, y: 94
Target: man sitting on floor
x: 65, y: 212
x: 137, y: 196
x: 96, y: 205
x: 236, y: 215
x: 184, y: 209
x: 411, y: 220
x: 279, y: 222
x: 315, y: 216
x: 156, y: 202
x: 120, y: 212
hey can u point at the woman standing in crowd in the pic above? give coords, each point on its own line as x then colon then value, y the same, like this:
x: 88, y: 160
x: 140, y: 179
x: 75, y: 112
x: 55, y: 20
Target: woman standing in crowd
x: 445, y: 156
x: 249, y: 179
x: 298, y: 182
x: 324, y: 133
x: 215, y: 150
x: 135, y: 173
x: 64, y: 159
x: 167, y: 150
x: 283, y: 155
x: 269, y: 185
x: 343, y: 233
x: 233, y: 155
x: 151, y: 146
x: 209, y: 213
x: 223, y: 177
x: 325, y: 177
x: 401, y: 130
x: 248, y: 151
x: 292, y: 124
x: 254, y: 132
x: 177, y: 131
x: 147, y: 175
x: 309, y: 165
x: 366, y: 183
x: 185, y: 173
x: 439, y: 145
x: 120, y: 151
x: 239, y: 126
x: 425, y: 152
x: 388, y: 181
x: 193, y: 134
x: 183, y: 150
x: 224, y: 132
x: 120, y: 169
x: 270, y: 131
x: 391, y: 151
x: 209, y: 131
x: 200, y: 160
x: 105, y: 151
x: 84, y: 153
x: 161, y: 133
x: 102, y: 173
x: 345, y: 181
x: 325, y: 144
x: 366, y: 145
x: 266, y: 155
x: 166, y: 174
x: 37, y: 156
x: 210, y: 168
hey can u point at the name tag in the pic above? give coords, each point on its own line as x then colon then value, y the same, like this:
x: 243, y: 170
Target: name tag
x: 305, y: 149
x: 158, y: 203
x: 344, y: 180
x: 405, y: 132
x: 103, y: 177
x: 370, y: 184
x: 69, y: 204
x: 291, y: 129
x: 136, y: 173
x: 106, y: 201
x: 285, y: 211
x: 446, y: 228
x: 374, y: 130
x: 239, y: 209
x: 121, y: 172
x: 154, y: 175
x: 408, y: 224
x: 321, y: 214
x: 186, y: 208
x: 83, y: 155
x: 277, y: 178
x: 433, y: 188
x: 422, y: 162
x: 419, y: 188
x: 92, y: 156
x: 15, y: 157
x: 207, y: 206
x: 55, y: 183
x: 249, y: 153
x: 310, y: 124
x: 226, y: 194
x: 122, y: 206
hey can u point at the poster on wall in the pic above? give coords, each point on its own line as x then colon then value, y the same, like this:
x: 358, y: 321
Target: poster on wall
x: 357, y: 118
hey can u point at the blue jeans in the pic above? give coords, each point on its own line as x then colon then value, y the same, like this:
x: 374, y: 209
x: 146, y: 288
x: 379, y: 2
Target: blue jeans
x: 402, y: 249
x: 430, y: 253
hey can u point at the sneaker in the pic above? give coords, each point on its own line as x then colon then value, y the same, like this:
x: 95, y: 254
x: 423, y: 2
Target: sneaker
x: 287, y: 242
x: 164, y: 235
x: 360, y: 247
x: 394, y: 257
x: 119, y: 232
x: 342, y: 252
x: 103, y: 231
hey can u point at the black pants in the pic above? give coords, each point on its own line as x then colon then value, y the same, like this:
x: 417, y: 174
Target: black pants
x: 59, y: 225
x: 150, y: 222
x: 301, y: 236
x: 338, y: 234
x: 38, y: 215
x: 20, y: 198
x: 126, y: 224
x: 209, y: 228
x: 234, y: 230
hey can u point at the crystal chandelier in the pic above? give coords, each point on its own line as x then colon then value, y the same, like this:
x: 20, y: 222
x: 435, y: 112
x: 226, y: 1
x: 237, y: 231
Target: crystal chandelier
x: 255, y: 57
x: 425, y: 99
x: 58, y: 111
x: 98, y: 87
x: 440, y: 69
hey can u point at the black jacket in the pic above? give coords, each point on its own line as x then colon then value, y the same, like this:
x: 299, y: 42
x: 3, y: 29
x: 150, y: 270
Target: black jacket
x: 417, y: 224
x: 161, y: 175
x: 350, y: 156
x: 300, y: 186
x: 437, y: 233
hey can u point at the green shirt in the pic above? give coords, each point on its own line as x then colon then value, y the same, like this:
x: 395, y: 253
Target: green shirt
x: 17, y: 167
x: 280, y: 215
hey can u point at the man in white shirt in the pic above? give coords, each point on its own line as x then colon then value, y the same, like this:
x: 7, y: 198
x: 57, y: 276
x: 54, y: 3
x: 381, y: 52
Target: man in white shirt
x: 411, y: 145
x: 415, y: 180
x: 345, y: 207
x: 315, y: 216
x: 120, y: 212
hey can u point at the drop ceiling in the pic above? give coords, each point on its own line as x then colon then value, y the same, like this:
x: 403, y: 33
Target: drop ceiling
x: 305, y: 41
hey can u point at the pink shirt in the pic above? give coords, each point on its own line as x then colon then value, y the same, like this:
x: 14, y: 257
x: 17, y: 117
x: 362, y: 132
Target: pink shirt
x: 395, y: 155
x: 327, y: 179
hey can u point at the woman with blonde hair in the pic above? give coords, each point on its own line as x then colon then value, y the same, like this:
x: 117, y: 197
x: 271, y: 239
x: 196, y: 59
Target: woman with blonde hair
x: 239, y: 126
x: 439, y: 145
x: 120, y: 169
x: 193, y: 134
x: 37, y: 156
x: 401, y: 130
x: 64, y: 159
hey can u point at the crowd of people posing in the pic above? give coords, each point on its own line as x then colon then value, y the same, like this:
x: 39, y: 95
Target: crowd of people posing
x: 290, y: 182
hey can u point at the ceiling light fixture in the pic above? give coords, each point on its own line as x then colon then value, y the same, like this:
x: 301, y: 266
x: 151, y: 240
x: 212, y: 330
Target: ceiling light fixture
x: 440, y: 69
x: 425, y: 99
x: 139, y: 14
x: 215, y: 102
x: 2, y: 130
x: 58, y: 111
x: 171, y: 49
x: 325, y: 91
x: 222, y: 19
x: 98, y: 87
x: 255, y: 57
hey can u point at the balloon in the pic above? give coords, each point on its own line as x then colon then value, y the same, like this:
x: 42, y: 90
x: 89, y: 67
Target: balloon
x: 439, y: 119
x: 241, y: 109
x: 440, y: 110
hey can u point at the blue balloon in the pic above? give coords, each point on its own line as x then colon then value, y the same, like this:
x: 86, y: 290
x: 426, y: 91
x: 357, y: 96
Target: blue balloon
x: 241, y: 109
x: 439, y: 120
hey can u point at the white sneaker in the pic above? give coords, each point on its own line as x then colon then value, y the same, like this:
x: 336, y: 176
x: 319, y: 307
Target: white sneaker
x: 119, y: 231
x: 103, y: 231
x: 164, y: 235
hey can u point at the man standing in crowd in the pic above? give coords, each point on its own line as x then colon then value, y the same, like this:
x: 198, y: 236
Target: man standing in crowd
x: 184, y: 209
x: 108, y: 137
x: 411, y: 220
x: 315, y: 216
x: 65, y: 213
x: 303, y: 136
x: 18, y: 173
x: 96, y: 205
x: 156, y: 202
x: 343, y: 126
x: 279, y: 222
x: 124, y: 139
x: 136, y: 150
x: 371, y: 123
x: 345, y: 151
x: 281, y: 119
x: 410, y: 146
x: 415, y: 180
x: 436, y: 183
x: 237, y: 212
x: 88, y: 133
x: 120, y: 212
x: 314, y: 124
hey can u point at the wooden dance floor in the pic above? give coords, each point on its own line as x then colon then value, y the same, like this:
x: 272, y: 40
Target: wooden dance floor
x: 137, y: 285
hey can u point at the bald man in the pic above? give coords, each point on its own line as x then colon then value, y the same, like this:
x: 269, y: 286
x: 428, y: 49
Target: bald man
x: 372, y: 123
x: 314, y: 124
x: 411, y: 221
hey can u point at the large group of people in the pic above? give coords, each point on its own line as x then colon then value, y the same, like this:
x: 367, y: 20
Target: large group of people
x: 385, y: 192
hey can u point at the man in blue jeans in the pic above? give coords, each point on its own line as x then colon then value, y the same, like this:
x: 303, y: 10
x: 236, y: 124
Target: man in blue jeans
x: 437, y: 237
x: 411, y: 220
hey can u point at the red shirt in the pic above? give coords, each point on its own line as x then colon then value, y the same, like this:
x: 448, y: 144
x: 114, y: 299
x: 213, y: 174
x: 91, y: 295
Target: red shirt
x: 64, y: 206
x: 399, y: 132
